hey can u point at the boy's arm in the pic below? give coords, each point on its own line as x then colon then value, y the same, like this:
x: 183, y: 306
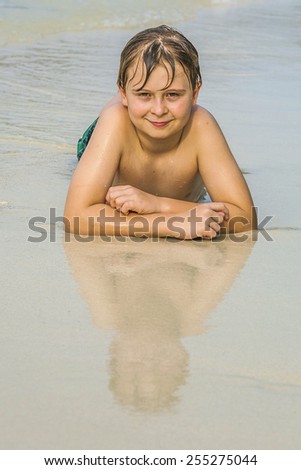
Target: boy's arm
x: 222, y: 176
x: 97, y: 167
x: 100, y: 219
x: 127, y: 198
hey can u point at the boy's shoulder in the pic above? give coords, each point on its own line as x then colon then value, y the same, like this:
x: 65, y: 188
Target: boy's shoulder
x: 202, y: 117
x: 204, y: 126
x: 114, y: 120
x: 114, y: 111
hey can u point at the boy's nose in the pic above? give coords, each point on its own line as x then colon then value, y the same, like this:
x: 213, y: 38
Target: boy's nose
x: 158, y: 107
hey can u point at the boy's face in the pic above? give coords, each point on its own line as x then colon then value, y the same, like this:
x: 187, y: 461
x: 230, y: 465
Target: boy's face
x: 155, y: 111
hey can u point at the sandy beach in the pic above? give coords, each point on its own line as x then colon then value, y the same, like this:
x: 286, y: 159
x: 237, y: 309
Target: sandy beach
x: 154, y: 344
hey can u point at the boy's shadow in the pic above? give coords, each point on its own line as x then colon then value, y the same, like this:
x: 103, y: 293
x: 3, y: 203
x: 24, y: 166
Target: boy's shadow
x: 152, y: 294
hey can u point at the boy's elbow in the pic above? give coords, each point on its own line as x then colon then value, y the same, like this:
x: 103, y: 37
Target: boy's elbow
x: 244, y: 221
x: 82, y: 224
x: 253, y: 221
x: 69, y: 225
x: 249, y: 220
x: 71, y: 220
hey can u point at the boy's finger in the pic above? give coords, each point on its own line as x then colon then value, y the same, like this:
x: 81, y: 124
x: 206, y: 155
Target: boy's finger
x: 209, y: 234
x: 118, y: 192
x: 223, y: 216
x: 217, y: 217
x: 215, y: 226
x: 220, y: 207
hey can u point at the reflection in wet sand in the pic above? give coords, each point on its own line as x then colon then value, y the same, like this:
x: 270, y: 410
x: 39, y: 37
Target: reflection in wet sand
x: 152, y: 294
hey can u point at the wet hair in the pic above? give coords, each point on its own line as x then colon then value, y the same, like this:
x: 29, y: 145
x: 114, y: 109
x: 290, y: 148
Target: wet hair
x: 162, y: 45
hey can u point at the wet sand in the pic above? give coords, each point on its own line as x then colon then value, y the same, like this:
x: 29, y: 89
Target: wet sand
x: 153, y: 344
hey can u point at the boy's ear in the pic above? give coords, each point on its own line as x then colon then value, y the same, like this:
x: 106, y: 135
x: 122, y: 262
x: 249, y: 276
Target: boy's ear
x: 196, y: 92
x: 123, y: 96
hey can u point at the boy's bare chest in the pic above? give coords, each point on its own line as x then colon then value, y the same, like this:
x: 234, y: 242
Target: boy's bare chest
x: 170, y: 175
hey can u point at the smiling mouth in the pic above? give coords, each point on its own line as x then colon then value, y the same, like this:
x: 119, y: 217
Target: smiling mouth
x: 159, y: 123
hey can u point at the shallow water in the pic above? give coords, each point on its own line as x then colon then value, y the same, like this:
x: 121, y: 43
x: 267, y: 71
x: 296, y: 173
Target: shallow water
x: 158, y: 345
x: 36, y: 19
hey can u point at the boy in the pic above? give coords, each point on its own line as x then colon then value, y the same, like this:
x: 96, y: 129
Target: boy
x: 153, y: 152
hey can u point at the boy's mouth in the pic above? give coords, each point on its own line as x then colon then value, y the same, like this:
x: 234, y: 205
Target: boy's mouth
x: 159, y: 123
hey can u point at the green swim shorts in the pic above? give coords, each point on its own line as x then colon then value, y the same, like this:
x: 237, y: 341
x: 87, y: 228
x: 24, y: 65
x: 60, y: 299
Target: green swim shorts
x: 83, y: 141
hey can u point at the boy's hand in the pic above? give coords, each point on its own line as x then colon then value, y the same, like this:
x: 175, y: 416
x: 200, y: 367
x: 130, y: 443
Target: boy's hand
x: 127, y: 198
x: 205, y: 220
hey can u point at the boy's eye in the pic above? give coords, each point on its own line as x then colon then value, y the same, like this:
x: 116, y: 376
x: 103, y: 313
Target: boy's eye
x: 173, y: 95
x: 143, y: 94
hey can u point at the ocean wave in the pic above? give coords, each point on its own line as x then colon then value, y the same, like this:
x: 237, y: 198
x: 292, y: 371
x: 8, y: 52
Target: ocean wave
x: 36, y: 19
